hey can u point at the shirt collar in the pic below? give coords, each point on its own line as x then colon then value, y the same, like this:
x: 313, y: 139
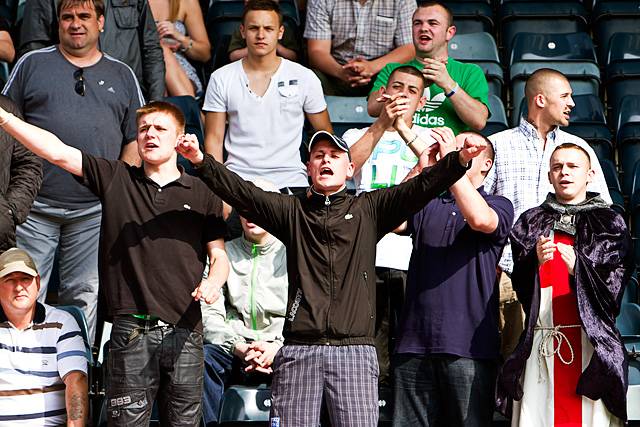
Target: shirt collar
x: 37, y: 318
x: 447, y: 196
x: 532, y: 133
x: 184, y: 180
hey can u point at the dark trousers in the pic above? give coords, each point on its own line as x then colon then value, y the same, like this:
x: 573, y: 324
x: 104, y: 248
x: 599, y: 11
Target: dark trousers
x: 217, y: 372
x: 148, y: 359
x: 442, y: 390
x: 390, y: 287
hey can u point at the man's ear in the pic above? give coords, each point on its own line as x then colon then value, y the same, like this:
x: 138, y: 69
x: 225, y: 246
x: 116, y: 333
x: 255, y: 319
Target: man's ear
x: 351, y: 169
x: 280, y: 32
x: 540, y: 100
x: 451, y: 31
x: 422, y: 102
x: 590, y: 176
x: 242, y: 31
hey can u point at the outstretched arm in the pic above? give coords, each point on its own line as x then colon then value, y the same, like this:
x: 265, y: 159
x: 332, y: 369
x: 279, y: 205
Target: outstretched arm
x: 270, y: 210
x: 43, y: 143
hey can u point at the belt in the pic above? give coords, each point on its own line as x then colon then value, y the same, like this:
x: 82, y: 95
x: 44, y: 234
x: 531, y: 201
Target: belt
x: 555, y: 337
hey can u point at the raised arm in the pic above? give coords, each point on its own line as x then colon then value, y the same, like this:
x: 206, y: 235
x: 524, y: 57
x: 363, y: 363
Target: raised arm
x: 361, y: 150
x: 43, y: 143
x: 475, y: 210
x: 270, y: 210
x: 393, y: 205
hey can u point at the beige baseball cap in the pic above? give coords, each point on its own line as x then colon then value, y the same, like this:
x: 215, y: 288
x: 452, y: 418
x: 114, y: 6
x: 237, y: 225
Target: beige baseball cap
x: 17, y: 260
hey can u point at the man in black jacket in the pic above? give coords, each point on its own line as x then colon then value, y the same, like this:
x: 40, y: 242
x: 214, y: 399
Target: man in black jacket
x: 20, y: 178
x: 129, y: 35
x: 331, y: 238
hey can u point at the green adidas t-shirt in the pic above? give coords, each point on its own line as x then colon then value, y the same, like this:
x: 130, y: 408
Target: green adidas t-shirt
x: 438, y: 110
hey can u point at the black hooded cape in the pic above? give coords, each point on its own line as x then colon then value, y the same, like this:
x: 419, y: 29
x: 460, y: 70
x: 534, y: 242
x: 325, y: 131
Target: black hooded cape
x: 604, y: 264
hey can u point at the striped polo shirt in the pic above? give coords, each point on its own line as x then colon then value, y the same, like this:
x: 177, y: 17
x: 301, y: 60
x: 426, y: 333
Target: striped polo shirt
x: 33, y: 363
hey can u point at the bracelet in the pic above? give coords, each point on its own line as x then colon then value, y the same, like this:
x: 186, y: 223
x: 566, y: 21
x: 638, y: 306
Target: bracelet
x: 412, y: 141
x: 189, y: 46
x: 453, y: 91
x: 6, y: 119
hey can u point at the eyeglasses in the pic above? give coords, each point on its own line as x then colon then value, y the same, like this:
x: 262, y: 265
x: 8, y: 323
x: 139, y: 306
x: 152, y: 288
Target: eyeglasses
x: 79, y: 87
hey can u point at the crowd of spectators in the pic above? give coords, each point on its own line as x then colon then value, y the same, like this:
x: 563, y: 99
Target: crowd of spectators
x: 322, y: 293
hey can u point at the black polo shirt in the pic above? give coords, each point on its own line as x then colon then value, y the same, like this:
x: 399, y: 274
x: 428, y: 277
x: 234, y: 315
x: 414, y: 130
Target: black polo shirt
x: 153, y: 240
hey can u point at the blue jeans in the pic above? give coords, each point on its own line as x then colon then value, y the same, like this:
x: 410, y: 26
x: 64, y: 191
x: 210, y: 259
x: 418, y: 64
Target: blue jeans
x: 217, y: 372
x: 443, y: 390
x: 75, y: 233
x: 149, y: 360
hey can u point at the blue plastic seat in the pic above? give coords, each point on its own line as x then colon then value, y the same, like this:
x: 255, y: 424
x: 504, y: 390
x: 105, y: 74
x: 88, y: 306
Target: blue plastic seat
x: 571, y: 54
x: 613, y: 185
x: 497, y: 121
x: 78, y: 315
x: 588, y: 121
x: 347, y: 112
x: 628, y: 323
x: 628, y: 140
x: 544, y: 17
x: 245, y: 403
x: 472, y: 17
x: 610, y: 17
x: 480, y: 49
x: 623, y: 69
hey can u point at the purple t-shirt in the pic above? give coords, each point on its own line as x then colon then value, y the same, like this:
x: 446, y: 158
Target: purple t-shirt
x: 451, y: 304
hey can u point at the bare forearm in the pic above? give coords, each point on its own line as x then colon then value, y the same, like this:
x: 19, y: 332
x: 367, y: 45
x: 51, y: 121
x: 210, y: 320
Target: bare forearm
x: 400, y: 54
x: 76, y: 400
x: 323, y: 61
x: 471, y: 111
x: 43, y: 143
x: 287, y: 53
x: 238, y: 54
x: 362, y: 149
x: 374, y: 107
x: 473, y: 207
x: 218, y: 266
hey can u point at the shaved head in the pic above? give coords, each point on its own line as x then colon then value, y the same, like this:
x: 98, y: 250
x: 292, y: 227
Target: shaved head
x: 540, y: 80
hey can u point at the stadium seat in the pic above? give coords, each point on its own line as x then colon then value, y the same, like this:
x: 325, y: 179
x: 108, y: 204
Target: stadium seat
x: 633, y: 393
x: 631, y: 291
x: 245, y: 403
x: 628, y: 141
x: 623, y: 69
x: 472, y: 17
x: 610, y: 17
x: 613, y: 185
x: 571, y: 54
x: 588, y: 121
x: 480, y: 49
x: 545, y: 17
x: 348, y: 112
x: 628, y: 323
x: 78, y: 314
x: 497, y: 121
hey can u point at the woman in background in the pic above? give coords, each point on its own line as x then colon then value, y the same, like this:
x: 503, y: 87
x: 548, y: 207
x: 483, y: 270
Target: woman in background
x: 183, y: 37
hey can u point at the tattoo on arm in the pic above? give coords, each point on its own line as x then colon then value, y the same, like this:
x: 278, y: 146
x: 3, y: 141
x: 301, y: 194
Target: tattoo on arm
x: 76, y: 407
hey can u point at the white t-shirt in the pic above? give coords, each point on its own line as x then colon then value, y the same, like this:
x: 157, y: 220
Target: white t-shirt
x: 264, y: 135
x: 389, y: 163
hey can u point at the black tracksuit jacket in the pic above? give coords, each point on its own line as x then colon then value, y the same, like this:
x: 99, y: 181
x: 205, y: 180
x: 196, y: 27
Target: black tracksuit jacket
x: 331, y: 245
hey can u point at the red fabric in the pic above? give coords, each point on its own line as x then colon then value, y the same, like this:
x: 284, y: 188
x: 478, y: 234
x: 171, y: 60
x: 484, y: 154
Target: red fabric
x: 567, y: 403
